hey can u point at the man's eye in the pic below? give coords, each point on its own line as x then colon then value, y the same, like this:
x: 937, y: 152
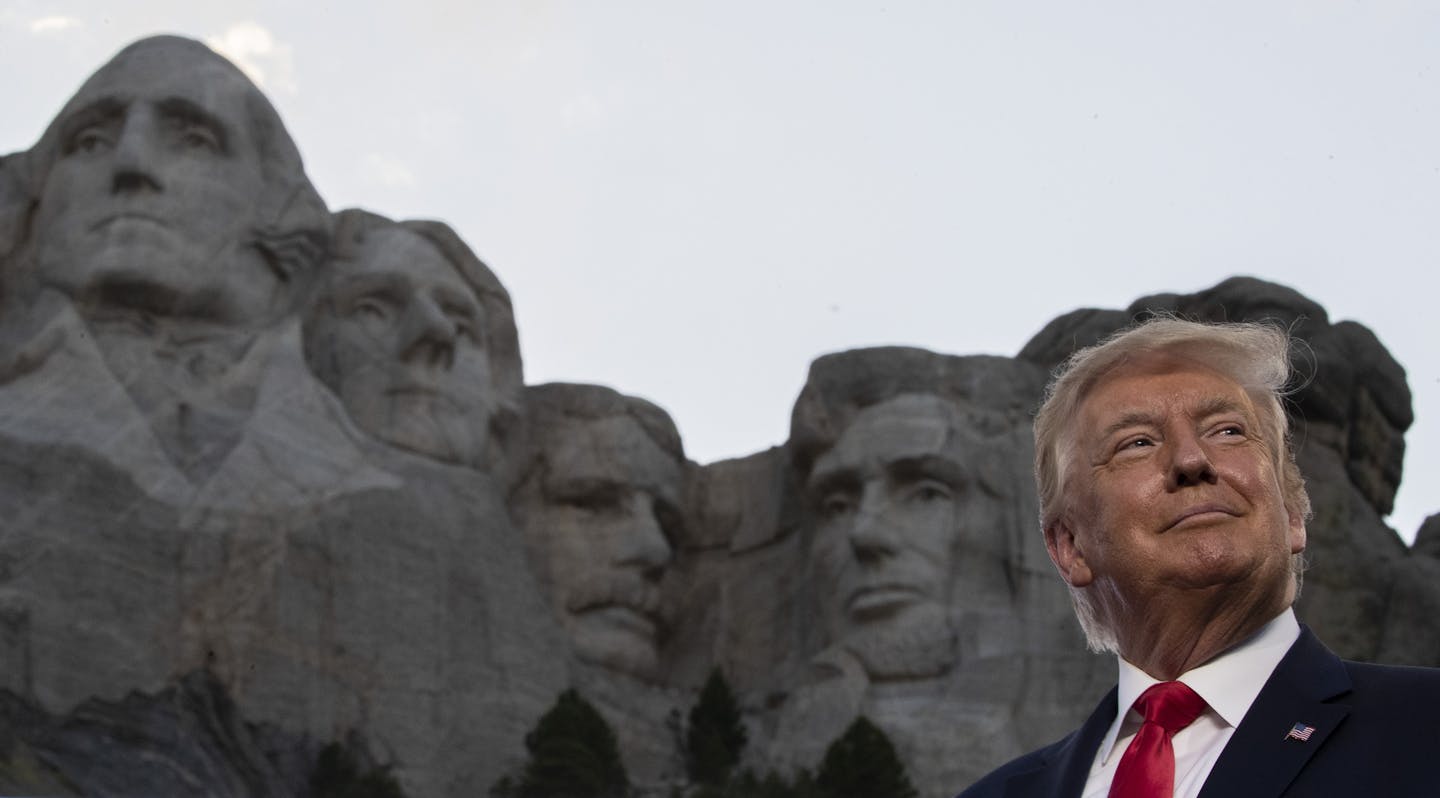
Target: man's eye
x: 1137, y: 443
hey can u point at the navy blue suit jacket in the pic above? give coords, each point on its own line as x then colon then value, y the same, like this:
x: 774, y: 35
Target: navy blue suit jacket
x: 1377, y: 735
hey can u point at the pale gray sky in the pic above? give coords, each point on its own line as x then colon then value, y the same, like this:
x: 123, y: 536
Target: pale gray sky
x: 691, y: 202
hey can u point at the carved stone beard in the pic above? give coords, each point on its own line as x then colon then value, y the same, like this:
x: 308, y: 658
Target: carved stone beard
x: 195, y: 382
x: 921, y: 644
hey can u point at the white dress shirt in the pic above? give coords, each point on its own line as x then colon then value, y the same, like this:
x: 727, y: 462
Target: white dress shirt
x: 1229, y: 684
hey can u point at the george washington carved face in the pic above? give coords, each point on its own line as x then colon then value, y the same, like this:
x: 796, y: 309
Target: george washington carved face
x: 155, y: 187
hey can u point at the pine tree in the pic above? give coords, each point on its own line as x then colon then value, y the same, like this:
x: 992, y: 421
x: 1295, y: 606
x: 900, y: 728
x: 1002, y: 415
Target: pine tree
x: 573, y: 754
x: 714, y: 735
x: 862, y: 763
x: 337, y: 774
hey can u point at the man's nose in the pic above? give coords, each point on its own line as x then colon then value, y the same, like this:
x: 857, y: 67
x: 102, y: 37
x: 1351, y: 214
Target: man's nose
x: 1190, y: 462
x: 642, y: 542
x: 428, y: 337
x: 872, y: 535
x: 137, y: 157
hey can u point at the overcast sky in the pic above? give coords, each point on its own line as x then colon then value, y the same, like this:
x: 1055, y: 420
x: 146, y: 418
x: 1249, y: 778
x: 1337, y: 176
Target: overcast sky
x: 691, y: 202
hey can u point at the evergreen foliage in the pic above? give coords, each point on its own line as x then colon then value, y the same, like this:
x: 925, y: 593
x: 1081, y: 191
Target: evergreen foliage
x: 714, y: 735
x: 862, y: 763
x: 573, y: 754
x: 337, y: 775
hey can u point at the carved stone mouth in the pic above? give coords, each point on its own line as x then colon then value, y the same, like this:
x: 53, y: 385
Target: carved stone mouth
x: 881, y: 600
x: 630, y: 619
x: 128, y: 217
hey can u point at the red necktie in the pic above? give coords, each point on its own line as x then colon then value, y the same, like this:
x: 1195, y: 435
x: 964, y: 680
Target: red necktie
x: 1147, y: 770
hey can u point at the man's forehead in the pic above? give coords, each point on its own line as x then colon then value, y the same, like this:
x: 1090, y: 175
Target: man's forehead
x: 615, y: 449
x: 908, y: 427
x: 1157, y: 384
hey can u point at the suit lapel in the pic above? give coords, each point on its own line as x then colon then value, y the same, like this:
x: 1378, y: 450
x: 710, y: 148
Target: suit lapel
x: 1259, y: 760
x: 1064, y: 773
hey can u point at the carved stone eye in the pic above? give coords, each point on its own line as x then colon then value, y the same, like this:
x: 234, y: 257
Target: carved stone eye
x: 837, y: 503
x: 372, y: 308
x: 91, y: 140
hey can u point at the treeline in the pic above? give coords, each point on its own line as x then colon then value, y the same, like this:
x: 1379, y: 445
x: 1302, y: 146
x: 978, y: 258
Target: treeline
x: 573, y: 754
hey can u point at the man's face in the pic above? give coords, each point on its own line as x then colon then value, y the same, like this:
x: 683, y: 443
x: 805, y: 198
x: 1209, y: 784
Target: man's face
x: 406, y: 347
x: 154, y: 191
x: 1171, y: 490
x: 886, y: 495
x: 601, y: 536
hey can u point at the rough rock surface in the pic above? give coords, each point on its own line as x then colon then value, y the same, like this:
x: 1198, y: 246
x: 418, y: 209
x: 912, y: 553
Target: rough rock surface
x: 275, y: 482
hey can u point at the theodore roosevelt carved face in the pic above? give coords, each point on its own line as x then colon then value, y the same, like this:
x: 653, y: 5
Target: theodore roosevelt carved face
x: 601, y: 509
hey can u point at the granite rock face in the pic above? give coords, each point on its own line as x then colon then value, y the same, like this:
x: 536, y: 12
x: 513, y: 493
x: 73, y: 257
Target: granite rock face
x: 271, y: 480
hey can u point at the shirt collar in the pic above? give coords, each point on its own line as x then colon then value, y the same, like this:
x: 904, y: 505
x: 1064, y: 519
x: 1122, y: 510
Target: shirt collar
x: 1229, y: 683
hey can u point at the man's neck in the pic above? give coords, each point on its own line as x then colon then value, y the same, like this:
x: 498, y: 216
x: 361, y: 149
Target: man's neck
x: 1188, y: 634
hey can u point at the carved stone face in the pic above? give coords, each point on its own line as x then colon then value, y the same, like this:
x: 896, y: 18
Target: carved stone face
x: 403, y: 337
x: 886, y: 498
x: 600, y: 536
x: 151, y: 201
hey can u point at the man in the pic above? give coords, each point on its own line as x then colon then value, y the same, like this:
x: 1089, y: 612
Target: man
x: 170, y: 236
x: 416, y: 336
x: 1173, y: 509
x: 600, y: 504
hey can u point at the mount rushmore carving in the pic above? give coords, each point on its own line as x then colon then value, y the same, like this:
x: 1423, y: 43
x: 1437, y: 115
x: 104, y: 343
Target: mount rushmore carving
x: 259, y: 457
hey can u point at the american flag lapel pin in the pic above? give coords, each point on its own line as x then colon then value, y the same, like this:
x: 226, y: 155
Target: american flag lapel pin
x: 1300, y: 732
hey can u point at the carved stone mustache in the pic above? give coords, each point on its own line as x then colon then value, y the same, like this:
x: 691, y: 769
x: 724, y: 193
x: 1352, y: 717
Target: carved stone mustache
x: 614, y: 588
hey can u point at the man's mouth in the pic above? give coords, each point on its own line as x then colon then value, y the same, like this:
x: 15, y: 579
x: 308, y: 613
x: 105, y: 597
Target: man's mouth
x: 1202, y: 514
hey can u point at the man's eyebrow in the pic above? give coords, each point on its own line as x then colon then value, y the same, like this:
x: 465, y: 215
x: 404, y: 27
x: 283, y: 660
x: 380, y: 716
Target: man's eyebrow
x: 103, y: 108
x: 1218, y: 405
x: 1134, y: 418
x: 186, y: 111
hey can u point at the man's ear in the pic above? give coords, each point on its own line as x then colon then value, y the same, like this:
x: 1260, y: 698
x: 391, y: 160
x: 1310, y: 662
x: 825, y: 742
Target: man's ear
x: 1066, y: 552
x: 1297, y: 534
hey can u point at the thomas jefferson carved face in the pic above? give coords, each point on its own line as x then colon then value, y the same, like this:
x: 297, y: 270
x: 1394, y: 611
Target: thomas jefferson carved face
x: 400, y: 336
x: 600, y: 532
x: 887, y: 500
x: 152, y: 199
